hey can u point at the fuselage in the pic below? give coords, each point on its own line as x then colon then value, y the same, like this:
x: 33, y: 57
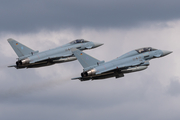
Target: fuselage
x: 133, y: 61
x: 57, y: 55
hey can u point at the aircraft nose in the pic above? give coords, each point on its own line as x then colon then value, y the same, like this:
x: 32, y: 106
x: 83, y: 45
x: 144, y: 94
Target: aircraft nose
x: 165, y: 52
x: 98, y: 44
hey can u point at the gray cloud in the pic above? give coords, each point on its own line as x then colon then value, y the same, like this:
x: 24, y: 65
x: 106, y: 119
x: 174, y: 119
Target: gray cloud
x: 174, y: 87
x: 42, y: 94
x: 21, y: 16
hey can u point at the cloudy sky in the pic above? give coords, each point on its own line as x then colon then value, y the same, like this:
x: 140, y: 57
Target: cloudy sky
x: 122, y: 25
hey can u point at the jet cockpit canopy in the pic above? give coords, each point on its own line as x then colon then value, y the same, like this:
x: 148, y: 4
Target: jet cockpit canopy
x: 78, y: 41
x: 146, y: 49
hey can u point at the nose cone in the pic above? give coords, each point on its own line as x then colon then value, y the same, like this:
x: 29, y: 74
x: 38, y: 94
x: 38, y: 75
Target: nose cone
x: 165, y: 52
x: 97, y: 44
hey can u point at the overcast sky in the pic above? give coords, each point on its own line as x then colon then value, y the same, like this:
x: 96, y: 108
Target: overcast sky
x: 122, y: 25
x: 27, y: 16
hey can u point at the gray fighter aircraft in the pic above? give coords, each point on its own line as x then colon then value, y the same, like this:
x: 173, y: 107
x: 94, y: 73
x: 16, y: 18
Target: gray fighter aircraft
x: 133, y: 61
x: 28, y: 58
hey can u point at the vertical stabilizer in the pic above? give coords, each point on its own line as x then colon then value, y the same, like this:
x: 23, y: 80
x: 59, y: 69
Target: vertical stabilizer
x: 85, y: 59
x: 19, y: 48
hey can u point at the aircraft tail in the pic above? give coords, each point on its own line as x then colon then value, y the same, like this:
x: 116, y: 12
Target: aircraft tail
x: 20, y: 49
x: 84, y: 59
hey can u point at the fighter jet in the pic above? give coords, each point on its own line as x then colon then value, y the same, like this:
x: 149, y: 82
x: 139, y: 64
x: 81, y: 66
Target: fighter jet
x: 28, y: 58
x: 132, y: 61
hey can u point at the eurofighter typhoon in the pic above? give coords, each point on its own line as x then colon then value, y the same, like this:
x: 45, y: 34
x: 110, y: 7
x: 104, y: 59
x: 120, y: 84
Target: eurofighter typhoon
x: 133, y: 61
x: 28, y: 58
